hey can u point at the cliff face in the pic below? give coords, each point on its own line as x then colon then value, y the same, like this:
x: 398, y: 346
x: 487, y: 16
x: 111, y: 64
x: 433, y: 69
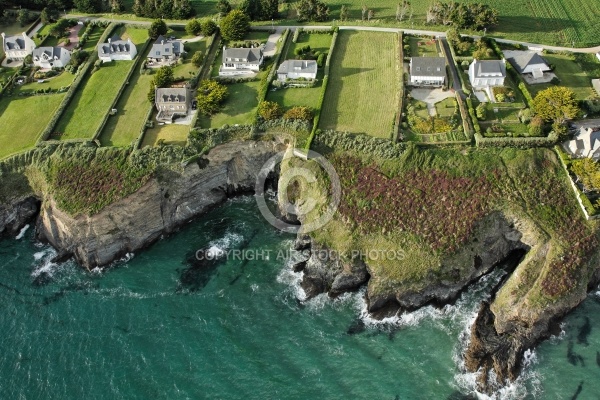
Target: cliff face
x: 16, y: 215
x: 159, y: 208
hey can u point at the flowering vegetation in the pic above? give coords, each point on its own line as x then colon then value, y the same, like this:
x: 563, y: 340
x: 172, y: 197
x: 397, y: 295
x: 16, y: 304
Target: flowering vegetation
x: 439, y: 198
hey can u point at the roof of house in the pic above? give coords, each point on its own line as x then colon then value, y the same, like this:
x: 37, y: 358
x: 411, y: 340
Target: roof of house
x: 16, y: 42
x: 489, y: 67
x: 171, y: 95
x: 250, y: 55
x: 428, y: 66
x: 51, y: 52
x: 164, y: 46
x: 303, y: 66
x: 585, y: 144
x: 116, y: 45
x: 522, y: 59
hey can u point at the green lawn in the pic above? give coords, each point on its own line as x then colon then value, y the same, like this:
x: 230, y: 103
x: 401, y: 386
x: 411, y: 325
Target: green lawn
x: 239, y: 108
x: 316, y: 41
x: 93, y: 38
x: 363, y: 87
x: 187, y: 67
x: 445, y: 108
x: 570, y: 74
x: 63, y: 80
x: 23, y: 119
x: 423, y: 47
x: 171, y: 134
x: 92, y: 101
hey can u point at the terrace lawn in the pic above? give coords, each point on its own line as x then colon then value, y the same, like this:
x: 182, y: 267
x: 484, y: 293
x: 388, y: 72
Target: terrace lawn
x: 63, y: 80
x: 445, y: 108
x: 423, y: 47
x: 570, y: 74
x: 362, y: 94
x: 94, y: 35
x: 308, y: 97
x: 171, y: 134
x: 92, y: 101
x: 23, y: 119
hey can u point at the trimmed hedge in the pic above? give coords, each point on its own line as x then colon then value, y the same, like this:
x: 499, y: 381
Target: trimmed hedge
x: 465, y: 115
x: 81, y: 74
x: 140, y: 139
x: 271, y: 71
x: 474, y: 119
x: 317, y: 118
x: 121, y: 89
x: 363, y: 144
x: 396, y: 133
x: 518, y: 142
x: 296, y: 36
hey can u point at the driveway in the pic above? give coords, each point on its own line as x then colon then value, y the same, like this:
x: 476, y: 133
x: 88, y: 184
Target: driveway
x: 271, y: 45
x: 430, y: 97
x: 73, y: 37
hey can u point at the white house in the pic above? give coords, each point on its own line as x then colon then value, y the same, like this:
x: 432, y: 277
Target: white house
x: 487, y: 73
x: 171, y: 102
x: 585, y: 144
x: 117, y: 49
x: 17, y: 47
x: 296, y: 69
x: 241, y: 61
x: 51, y: 57
x: 427, y: 71
x: 165, y: 50
x: 529, y: 62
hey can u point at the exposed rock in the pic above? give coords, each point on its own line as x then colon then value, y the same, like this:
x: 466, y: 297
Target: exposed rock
x: 15, y: 216
x: 159, y: 208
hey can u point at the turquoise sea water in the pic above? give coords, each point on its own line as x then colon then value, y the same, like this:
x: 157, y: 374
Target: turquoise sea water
x: 153, y: 327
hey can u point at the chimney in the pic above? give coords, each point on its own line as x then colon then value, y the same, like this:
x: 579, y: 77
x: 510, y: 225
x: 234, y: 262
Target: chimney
x: 162, y: 41
x: 109, y: 40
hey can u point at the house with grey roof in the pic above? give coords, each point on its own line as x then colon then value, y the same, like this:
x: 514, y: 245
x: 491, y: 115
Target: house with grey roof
x: 241, y: 61
x: 51, y: 57
x: 165, y: 50
x: 172, y: 102
x: 487, y: 73
x: 585, y: 144
x: 117, y: 49
x: 297, y: 69
x: 427, y: 71
x: 17, y: 47
x: 529, y: 62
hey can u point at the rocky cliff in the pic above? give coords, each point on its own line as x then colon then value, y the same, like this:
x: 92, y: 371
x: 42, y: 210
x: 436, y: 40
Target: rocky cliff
x: 17, y: 214
x: 160, y: 207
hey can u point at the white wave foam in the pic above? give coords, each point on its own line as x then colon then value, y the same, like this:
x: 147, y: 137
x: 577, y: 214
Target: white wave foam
x: 47, y: 266
x: 22, y: 233
x: 217, y: 248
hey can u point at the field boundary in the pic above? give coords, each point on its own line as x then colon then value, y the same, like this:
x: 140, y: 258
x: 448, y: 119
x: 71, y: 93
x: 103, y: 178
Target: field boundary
x: 81, y: 74
x: 133, y: 68
x: 397, y: 132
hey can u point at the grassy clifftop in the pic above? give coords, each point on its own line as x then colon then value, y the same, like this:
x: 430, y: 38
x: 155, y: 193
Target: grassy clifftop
x: 430, y: 202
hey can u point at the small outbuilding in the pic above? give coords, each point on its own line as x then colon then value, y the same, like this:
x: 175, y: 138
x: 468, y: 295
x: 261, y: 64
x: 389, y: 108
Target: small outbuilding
x: 297, y: 69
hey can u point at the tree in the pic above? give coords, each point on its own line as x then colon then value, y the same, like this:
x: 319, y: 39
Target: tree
x: 23, y: 16
x: 116, y: 6
x: 223, y: 7
x: 181, y: 9
x: 536, y: 126
x: 208, y: 27
x: 402, y: 9
x: 464, y: 16
x: 370, y: 15
x: 269, y: 110
x: 270, y: 9
x: 59, y: 28
x: 588, y: 173
x: 344, y: 13
x: 312, y: 10
x: 197, y: 58
x: 48, y: 15
x: 88, y: 6
x: 556, y: 104
x: 211, y: 95
x: 364, y: 11
x: 162, y: 78
x: 158, y: 27
x: 193, y: 28
x: 252, y: 8
x: 235, y: 25
x: 453, y: 36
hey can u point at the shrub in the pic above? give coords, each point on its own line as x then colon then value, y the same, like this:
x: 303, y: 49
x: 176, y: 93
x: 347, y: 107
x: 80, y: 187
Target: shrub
x: 193, y: 28
x: 481, y: 111
x: 235, y: 25
x: 211, y: 95
x: 208, y: 27
x: 269, y: 110
x: 299, y: 112
x: 197, y: 58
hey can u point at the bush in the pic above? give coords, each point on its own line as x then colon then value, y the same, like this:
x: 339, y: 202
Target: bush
x: 235, y: 25
x: 269, y: 110
x: 481, y: 111
x: 362, y: 144
x: 197, y: 59
x: 193, y: 28
x: 211, y: 95
x: 299, y: 112
x: 208, y: 27
x: 321, y: 60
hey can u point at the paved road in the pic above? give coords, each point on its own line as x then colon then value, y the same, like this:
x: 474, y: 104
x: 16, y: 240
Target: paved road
x: 455, y: 78
x: 588, y: 123
x: 595, y: 49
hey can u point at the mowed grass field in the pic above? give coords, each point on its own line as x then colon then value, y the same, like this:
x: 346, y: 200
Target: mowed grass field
x: 362, y: 94
x: 92, y: 101
x: 171, y: 134
x: 22, y: 120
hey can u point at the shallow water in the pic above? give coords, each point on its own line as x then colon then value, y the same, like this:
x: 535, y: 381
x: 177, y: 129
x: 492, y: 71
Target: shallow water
x: 152, y: 326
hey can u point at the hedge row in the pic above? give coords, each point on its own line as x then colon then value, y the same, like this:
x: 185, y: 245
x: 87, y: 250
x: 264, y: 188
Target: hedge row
x: 473, y: 116
x: 81, y: 74
x: 214, y: 41
x: 140, y: 138
x: 586, y: 205
x: 296, y: 36
x: 317, y: 118
x: 271, y: 71
x: 10, y: 81
x: 363, y: 144
x: 121, y: 89
x: 465, y: 115
x: 398, y: 120
x: 518, y: 142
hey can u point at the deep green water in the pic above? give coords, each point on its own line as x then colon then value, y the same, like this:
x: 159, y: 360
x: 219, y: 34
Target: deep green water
x: 151, y: 328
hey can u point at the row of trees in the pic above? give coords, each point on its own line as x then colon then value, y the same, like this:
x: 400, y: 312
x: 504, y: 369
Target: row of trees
x: 174, y: 9
x: 476, y: 16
